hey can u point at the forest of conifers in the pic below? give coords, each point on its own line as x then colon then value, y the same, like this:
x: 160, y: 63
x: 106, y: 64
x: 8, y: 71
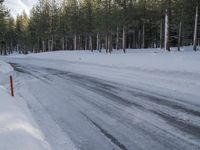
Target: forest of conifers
x: 100, y: 24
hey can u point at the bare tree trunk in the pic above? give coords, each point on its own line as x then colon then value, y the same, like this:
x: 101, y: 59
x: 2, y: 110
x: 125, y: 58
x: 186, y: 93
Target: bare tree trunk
x: 161, y: 34
x: 110, y: 42
x: 136, y: 40
x: 86, y: 43
x: 0, y: 50
x: 75, y: 41
x: 63, y: 43
x: 43, y: 45
x: 106, y: 44
x: 199, y: 42
x: 4, y: 49
x: 79, y: 43
x: 52, y: 44
x: 49, y: 45
x: 8, y: 48
x: 167, y: 44
x: 38, y: 46
x: 100, y: 45
x: 143, y: 35
x: 25, y: 50
x: 11, y: 47
x: 117, y: 39
x: 129, y: 41
x: 180, y: 36
x: 139, y: 38
x: 19, y: 48
x: 195, y: 30
x: 66, y: 43
x: 97, y: 48
x: 124, y: 39
x: 90, y: 43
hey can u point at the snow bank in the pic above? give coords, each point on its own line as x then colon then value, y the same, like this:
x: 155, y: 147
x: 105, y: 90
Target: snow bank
x: 5, y: 71
x: 17, y: 130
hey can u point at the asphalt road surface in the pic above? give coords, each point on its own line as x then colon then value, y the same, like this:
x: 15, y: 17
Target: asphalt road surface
x: 97, y: 114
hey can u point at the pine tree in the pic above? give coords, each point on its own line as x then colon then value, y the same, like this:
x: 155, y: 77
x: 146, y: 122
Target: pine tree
x: 98, y: 24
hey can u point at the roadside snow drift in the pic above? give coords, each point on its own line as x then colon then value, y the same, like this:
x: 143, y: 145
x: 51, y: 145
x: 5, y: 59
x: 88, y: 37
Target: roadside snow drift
x: 17, y: 130
x: 5, y: 71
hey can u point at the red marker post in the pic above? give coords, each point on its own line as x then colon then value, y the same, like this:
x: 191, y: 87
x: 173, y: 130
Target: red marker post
x: 11, y: 86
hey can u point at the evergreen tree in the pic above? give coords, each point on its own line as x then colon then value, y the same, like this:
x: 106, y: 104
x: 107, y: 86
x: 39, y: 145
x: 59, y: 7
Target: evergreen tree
x: 100, y: 24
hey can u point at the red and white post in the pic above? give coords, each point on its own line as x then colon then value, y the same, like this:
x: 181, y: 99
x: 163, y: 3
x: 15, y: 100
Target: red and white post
x: 11, y: 86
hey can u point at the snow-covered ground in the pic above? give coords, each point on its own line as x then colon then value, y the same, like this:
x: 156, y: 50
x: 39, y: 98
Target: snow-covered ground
x: 17, y: 128
x: 5, y: 71
x: 144, y: 99
x: 173, y: 73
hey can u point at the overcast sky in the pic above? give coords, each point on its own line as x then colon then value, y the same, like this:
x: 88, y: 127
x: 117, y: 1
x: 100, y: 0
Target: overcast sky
x: 17, y: 6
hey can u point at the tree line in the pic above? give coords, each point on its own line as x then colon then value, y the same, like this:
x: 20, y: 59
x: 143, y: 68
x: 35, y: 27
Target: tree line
x: 101, y: 24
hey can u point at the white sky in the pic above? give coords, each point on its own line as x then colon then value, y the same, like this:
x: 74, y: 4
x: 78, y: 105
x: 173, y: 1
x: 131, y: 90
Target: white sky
x: 17, y: 6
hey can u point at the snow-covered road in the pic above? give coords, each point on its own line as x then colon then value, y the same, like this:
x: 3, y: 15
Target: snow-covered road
x: 83, y: 112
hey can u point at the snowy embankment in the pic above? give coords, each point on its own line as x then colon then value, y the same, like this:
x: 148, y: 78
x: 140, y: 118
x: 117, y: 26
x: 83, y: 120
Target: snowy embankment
x: 5, y: 71
x: 174, y: 74
x: 145, y: 99
x: 17, y: 129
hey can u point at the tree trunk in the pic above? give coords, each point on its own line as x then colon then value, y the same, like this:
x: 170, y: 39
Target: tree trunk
x: 167, y: 43
x: 133, y: 40
x: 180, y: 36
x: 143, y: 35
x: 63, y: 43
x: 49, y: 45
x: 97, y: 47
x: 106, y: 43
x: 66, y: 43
x: 139, y: 38
x: 86, y: 43
x: 117, y: 39
x: 199, y: 42
x: 90, y: 43
x: 38, y: 48
x: 161, y: 34
x: 52, y: 44
x: 110, y: 42
x: 19, y: 48
x: 129, y: 41
x: 100, y: 45
x: 79, y: 42
x: 43, y: 45
x: 195, y: 30
x: 11, y: 47
x: 1, y: 51
x: 75, y: 41
x: 124, y: 39
x: 4, y: 49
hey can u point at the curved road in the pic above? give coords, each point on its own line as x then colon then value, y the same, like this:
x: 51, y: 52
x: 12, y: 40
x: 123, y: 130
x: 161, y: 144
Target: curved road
x: 96, y: 114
